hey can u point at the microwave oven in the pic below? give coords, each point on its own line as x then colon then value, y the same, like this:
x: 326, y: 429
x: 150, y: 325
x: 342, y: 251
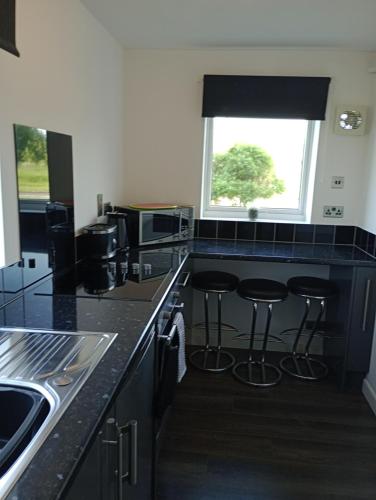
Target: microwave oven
x: 151, y: 227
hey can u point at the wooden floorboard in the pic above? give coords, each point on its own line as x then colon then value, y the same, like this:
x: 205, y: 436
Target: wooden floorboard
x: 295, y: 441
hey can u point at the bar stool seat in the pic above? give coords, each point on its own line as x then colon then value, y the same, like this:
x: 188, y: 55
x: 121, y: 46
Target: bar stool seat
x: 304, y: 366
x: 310, y: 286
x: 213, y: 358
x: 262, y: 290
x: 214, y: 281
x: 254, y: 372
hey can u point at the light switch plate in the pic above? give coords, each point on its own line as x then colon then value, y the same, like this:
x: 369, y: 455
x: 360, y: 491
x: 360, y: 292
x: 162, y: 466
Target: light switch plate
x: 338, y: 182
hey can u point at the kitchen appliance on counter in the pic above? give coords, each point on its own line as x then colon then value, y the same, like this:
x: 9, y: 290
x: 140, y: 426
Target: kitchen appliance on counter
x: 119, y: 220
x: 100, y: 277
x: 155, y: 225
x: 101, y: 241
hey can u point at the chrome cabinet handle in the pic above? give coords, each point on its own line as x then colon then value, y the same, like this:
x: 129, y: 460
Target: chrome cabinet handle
x: 185, y: 282
x: 168, y: 338
x: 130, y: 429
x: 366, y: 303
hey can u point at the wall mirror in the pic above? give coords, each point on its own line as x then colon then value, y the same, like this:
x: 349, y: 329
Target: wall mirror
x: 45, y: 199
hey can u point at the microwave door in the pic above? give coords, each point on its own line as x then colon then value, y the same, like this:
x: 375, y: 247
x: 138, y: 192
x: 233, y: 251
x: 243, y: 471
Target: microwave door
x: 156, y: 227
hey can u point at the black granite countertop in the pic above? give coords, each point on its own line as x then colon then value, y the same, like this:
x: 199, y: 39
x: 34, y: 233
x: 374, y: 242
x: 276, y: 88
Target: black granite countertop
x: 49, y: 470
x: 343, y: 255
x: 46, y: 475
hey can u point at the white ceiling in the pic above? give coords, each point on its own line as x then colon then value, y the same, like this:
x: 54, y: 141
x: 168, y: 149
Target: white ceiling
x: 239, y: 23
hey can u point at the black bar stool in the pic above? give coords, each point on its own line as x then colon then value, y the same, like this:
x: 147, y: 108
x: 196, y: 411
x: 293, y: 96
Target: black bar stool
x: 213, y: 358
x: 253, y: 372
x: 304, y: 366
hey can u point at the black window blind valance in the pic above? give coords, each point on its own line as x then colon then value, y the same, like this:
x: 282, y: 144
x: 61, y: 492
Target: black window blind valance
x: 265, y: 96
x: 8, y: 26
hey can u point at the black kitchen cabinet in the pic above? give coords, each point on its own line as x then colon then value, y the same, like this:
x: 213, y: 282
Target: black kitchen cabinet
x: 135, y: 419
x: 119, y: 465
x: 353, y: 314
x: 96, y: 477
x: 361, y: 320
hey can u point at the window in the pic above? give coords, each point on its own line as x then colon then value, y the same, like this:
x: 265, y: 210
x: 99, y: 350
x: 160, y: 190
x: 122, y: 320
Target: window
x: 261, y: 138
x: 258, y: 163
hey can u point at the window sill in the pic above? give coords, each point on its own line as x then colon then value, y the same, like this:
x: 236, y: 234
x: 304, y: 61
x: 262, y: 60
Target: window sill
x: 242, y: 219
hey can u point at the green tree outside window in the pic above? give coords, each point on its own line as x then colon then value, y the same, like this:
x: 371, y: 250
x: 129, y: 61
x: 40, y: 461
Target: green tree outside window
x: 32, y: 163
x: 244, y: 173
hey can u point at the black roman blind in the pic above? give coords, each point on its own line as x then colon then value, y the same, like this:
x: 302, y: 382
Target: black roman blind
x: 8, y: 26
x: 265, y: 96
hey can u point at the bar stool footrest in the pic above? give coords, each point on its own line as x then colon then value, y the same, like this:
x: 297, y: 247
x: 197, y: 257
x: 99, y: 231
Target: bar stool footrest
x: 213, y: 325
x: 257, y: 373
x: 211, y: 359
x: 304, y: 367
x: 319, y: 334
x: 259, y: 337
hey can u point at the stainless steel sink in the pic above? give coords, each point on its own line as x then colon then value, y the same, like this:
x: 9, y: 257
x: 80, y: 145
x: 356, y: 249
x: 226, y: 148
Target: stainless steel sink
x: 55, y: 364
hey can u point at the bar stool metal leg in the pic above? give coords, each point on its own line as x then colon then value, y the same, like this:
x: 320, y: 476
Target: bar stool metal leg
x: 267, y: 328
x: 207, y: 331
x: 219, y: 340
x: 212, y: 359
x: 253, y: 330
x: 301, y: 327
x: 257, y: 372
x: 303, y: 366
x: 316, y: 326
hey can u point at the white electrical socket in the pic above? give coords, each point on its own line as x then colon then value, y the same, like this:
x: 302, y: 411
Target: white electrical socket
x: 338, y: 182
x: 334, y: 211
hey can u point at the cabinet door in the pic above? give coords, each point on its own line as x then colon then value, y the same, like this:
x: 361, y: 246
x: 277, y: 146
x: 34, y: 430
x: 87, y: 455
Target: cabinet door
x: 362, y: 314
x: 96, y: 478
x: 109, y: 457
x: 135, y: 420
x: 87, y: 483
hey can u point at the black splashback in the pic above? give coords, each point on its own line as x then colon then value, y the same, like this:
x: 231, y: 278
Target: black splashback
x: 45, y: 199
x: 286, y: 233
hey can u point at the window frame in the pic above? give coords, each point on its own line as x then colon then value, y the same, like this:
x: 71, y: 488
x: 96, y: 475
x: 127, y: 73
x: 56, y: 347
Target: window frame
x: 299, y: 214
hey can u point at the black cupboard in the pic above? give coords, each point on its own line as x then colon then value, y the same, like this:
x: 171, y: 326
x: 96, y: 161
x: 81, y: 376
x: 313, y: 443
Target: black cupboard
x: 119, y: 465
x: 353, y: 316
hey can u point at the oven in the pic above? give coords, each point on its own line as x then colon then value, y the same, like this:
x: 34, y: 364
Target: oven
x: 167, y: 337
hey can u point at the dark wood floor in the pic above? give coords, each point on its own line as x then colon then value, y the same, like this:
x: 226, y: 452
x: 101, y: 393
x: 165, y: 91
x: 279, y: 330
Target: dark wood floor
x: 296, y: 441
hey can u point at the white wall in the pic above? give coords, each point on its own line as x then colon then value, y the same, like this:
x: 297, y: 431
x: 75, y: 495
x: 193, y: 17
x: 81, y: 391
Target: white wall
x: 368, y: 222
x: 368, y: 219
x: 164, y: 129
x: 69, y: 79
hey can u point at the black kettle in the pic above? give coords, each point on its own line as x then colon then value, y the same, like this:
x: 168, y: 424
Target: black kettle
x: 119, y: 220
